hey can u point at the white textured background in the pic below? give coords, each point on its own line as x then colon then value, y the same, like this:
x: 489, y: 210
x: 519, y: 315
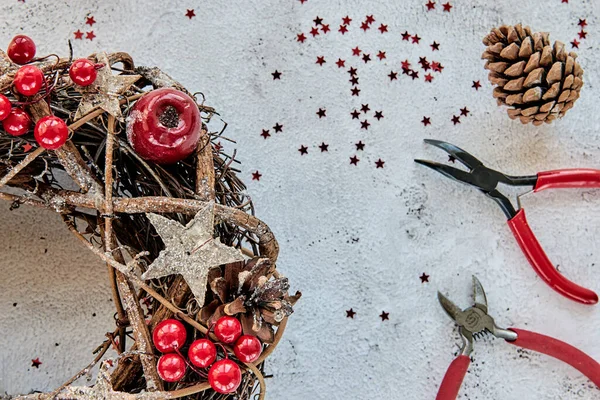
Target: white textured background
x: 351, y: 236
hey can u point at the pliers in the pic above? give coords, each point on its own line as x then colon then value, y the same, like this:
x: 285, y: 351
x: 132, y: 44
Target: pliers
x: 475, y: 322
x: 487, y: 180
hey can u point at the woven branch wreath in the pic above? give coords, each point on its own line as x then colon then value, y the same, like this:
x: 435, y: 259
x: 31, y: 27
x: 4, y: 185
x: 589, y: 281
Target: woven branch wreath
x: 159, y: 202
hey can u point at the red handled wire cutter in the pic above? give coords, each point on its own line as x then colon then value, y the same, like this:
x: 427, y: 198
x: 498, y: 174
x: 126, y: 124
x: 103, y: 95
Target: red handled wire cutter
x: 475, y: 322
x: 487, y: 180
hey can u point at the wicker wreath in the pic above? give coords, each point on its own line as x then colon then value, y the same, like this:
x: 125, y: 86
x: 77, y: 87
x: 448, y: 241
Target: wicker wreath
x: 114, y: 201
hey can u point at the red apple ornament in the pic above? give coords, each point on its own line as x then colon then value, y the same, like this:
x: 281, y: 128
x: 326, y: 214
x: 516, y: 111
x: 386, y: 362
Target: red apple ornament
x: 171, y: 367
x: 17, y: 123
x: 169, y: 335
x: 28, y: 80
x: 202, y: 353
x: 164, y: 126
x: 83, y: 72
x: 21, y: 49
x: 225, y: 376
x: 5, y: 107
x: 228, y: 329
x: 247, y: 348
x: 51, y: 132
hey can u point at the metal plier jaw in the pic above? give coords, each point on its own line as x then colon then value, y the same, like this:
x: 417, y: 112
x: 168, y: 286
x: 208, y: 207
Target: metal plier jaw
x: 474, y: 322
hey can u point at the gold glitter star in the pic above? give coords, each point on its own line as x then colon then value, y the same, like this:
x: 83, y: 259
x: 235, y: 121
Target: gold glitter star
x: 190, y: 250
x: 105, y: 91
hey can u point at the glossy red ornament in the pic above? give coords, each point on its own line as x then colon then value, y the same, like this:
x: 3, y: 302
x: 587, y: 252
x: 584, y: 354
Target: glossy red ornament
x: 247, y: 348
x: 225, y: 376
x: 164, y: 126
x: 51, y: 132
x: 5, y: 107
x: 83, y: 72
x: 17, y: 123
x: 228, y: 329
x: 28, y: 80
x: 169, y: 335
x: 171, y: 367
x: 202, y: 353
x: 21, y: 49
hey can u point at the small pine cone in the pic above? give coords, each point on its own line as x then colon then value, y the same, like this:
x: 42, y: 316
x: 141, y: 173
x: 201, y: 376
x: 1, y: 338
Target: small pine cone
x: 537, y: 81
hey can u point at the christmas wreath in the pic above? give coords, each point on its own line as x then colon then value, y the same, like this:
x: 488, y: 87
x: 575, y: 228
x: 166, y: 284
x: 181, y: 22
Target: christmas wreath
x: 124, y: 155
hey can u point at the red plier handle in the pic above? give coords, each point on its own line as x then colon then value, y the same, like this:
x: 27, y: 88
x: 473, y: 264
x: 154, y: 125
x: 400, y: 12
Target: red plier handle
x: 529, y: 340
x: 560, y: 179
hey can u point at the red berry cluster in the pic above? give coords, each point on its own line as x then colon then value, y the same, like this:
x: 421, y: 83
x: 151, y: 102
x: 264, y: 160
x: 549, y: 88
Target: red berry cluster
x: 50, y: 132
x: 224, y: 375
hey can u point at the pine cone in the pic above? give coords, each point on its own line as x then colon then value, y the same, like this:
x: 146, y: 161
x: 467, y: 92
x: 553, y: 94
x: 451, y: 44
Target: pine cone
x: 537, y: 81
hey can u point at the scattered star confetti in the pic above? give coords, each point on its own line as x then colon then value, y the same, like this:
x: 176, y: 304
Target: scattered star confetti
x: 190, y: 14
x: 314, y: 31
x: 365, y: 125
x: 364, y: 26
x: 278, y: 127
x: 414, y: 75
x: 190, y: 250
x: 455, y: 119
x: 365, y: 108
x: 256, y: 176
x: 393, y: 75
x: 325, y: 28
x: 383, y: 28
x: 355, y: 91
x: 426, y: 121
x: 78, y: 34
x: 379, y: 163
x: 575, y: 44
x: 384, y: 316
x: 378, y: 115
x: 464, y: 111
x: 350, y: 313
x: 324, y: 147
x: 346, y: 20
x: 90, y: 21
x: 354, y: 160
x: 36, y: 362
x: 90, y: 35
x: 343, y: 29
x: 352, y: 71
x: 424, y: 278
x: 381, y: 55
x: 303, y: 150
x: 370, y: 19
x: 354, y: 80
x: 436, y: 66
x: 356, y: 51
x: 301, y: 37
x: 360, y: 146
x: 582, y: 23
x: 318, y: 20
x: 265, y: 133
x: 447, y: 6
x: 428, y: 78
x: 321, y: 60
x: 435, y: 46
x: 406, y: 35
x: 476, y: 85
x: 430, y: 5
x: 415, y: 39
x: 582, y: 34
x: 366, y: 58
x: 451, y: 158
x: 276, y: 75
x: 340, y: 63
x: 405, y: 64
x: 322, y: 113
x: 355, y: 114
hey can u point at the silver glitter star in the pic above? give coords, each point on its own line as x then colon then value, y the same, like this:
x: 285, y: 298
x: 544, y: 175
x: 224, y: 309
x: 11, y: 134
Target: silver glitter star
x: 105, y: 91
x: 190, y: 250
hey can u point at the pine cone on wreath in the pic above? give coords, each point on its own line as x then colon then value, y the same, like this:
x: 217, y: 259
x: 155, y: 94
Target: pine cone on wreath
x: 539, y: 82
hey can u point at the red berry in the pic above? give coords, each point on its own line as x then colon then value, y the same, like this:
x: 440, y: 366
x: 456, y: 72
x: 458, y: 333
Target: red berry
x: 171, y: 367
x: 247, y: 349
x: 51, y: 132
x: 83, y: 72
x: 169, y: 335
x: 28, y: 80
x: 228, y: 329
x: 21, y: 49
x: 5, y: 107
x: 17, y: 123
x: 202, y: 353
x: 225, y: 376
x: 164, y: 126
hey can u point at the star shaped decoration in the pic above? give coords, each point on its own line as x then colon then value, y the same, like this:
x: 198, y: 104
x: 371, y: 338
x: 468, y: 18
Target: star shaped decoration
x: 476, y: 85
x: 430, y: 5
x: 190, y: 14
x: 405, y: 64
x: 321, y: 60
x: 364, y: 26
x: 90, y: 35
x: 324, y: 147
x: 565, y: 1
x: 359, y: 146
x: 436, y: 66
x: 322, y: 113
x: 314, y: 31
x: 356, y: 51
x: 278, y: 127
x: 366, y: 57
x: 265, y: 133
x: 426, y: 121
x: 352, y: 71
x: 378, y: 115
x: 301, y: 37
x: 350, y: 313
x: 354, y: 80
x: 190, y: 250
x: 435, y: 46
x: 365, y: 125
x: 414, y: 75
x: 384, y: 316
x: 302, y: 1
x: 355, y: 91
x: 383, y: 28
x: 346, y: 20
x: 582, y: 23
x: 447, y: 7
x: 318, y: 20
x: 407, y: 71
x: 369, y: 19
x: 256, y: 176
x: 343, y: 29
x: 78, y: 34
x: 90, y: 21
x: 340, y: 63
x: 381, y: 55
x: 424, y: 278
x: 354, y: 160
x: 582, y: 34
x: 325, y: 28
x: 379, y: 163
x: 415, y: 39
x: 393, y: 75
x: 355, y: 114
x: 455, y: 119
x: 276, y: 75
x: 406, y: 36
x: 451, y: 158
x: 303, y: 150
x: 428, y: 78
x: 464, y: 111
x: 365, y: 108
x: 575, y: 44
x: 104, y: 93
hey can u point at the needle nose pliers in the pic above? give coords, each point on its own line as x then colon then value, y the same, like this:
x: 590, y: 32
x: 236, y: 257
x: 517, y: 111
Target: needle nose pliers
x: 475, y: 322
x: 487, y: 180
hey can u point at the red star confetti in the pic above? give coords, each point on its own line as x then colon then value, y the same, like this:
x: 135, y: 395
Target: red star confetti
x: 265, y: 133
x: 575, y: 43
x: 426, y: 121
x: 36, y: 362
x: 366, y: 57
x: 90, y: 20
x: 90, y: 35
x: 303, y: 150
x: 476, y: 85
x: 414, y: 75
x: 301, y: 37
x: 321, y: 60
x: 350, y: 313
x: 278, y: 127
x: 406, y: 36
x: 406, y: 71
x: 352, y: 71
x: 428, y: 78
x: 27, y: 147
x: 302, y: 1
x: 190, y: 14
x: 435, y: 46
x: 354, y: 160
x: 370, y: 19
x: 276, y: 75
x: 393, y: 75
x: 436, y: 66
x: 354, y: 80
x: 340, y: 63
x: 365, y: 125
x: 364, y: 26
x: 378, y: 115
x: 383, y: 28
x: 582, y: 34
x: 381, y: 55
x: 365, y: 108
x: 464, y: 111
x: 415, y: 38
x: 343, y: 29
x: 78, y: 34
x: 325, y: 28
x: 447, y: 7
x: 424, y: 278
x: 360, y: 146
x: 384, y: 316
x: 356, y: 51
x: 355, y: 91
x: 565, y: 1
x: 346, y: 20
x: 582, y: 23
x: 322, y: 113
x: 455, y: 119
x: 256, y: 176
x: 318, y: 20
x: 379, y: 163
x: 324, y: 147
x: 430, y: 5
x: 405, y: 64
x: 314, y: 31
x: 355, y: 114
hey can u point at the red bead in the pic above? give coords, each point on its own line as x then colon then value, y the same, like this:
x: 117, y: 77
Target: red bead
x: 5, y: 107
x: 164, y: 126
x: 202, y: 353
x: 51, y: 132
x: 21, y: 49
x: 17, y: 123
x: 83, y: 72
x: 28, y: 80
x: 171, y: 367
x: 247, y: 349
x: 169, y: 335
x: 225, y: 376
x: 228, y: 329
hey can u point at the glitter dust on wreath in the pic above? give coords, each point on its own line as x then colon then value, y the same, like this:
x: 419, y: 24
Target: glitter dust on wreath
x: 159, y: 202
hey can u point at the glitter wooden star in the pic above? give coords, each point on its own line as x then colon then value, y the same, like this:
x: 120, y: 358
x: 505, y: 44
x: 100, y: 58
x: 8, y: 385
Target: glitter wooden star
x: 190, y: 250
x: 104, y: 93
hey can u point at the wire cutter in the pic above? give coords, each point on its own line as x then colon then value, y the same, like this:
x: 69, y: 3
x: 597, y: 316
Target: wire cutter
x: 487, y: 180
x: 475, y: 322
